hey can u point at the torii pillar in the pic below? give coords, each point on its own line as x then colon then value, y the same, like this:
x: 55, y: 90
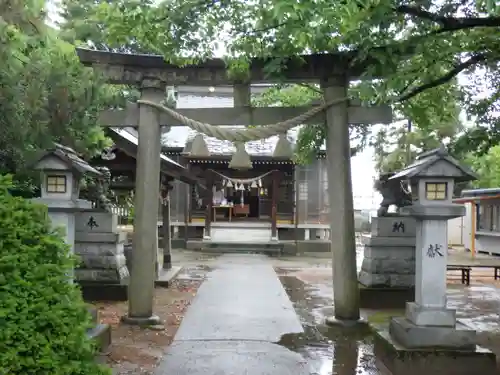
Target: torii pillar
x: 145, y: 243
x: 166, y: 229
x: 342, y: 236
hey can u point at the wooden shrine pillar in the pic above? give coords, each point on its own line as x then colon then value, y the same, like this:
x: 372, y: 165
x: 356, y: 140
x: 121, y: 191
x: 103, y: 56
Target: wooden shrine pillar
x: 145, y: 243
x: 209, y: 206
x: 187, y: 212
x: 166, y: 228
x: 187, y: 209
x: 296, y: 212
x: 342, y: 236
x: 274, y: 205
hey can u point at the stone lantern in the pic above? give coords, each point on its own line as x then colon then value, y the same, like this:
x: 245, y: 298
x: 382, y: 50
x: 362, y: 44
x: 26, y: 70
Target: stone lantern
x: 429, y: 334
x: 60, y: 172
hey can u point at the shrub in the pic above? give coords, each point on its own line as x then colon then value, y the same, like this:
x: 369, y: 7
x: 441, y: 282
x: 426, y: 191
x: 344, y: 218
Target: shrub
x: 43, y: 319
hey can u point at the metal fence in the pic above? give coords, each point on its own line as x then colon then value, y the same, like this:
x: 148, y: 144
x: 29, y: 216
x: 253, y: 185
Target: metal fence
x: 125, y: 214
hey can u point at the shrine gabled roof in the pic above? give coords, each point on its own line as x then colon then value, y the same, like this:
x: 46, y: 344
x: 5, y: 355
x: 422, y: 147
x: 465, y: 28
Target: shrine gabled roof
x: 168, y: 166
x: 427, y: 159
x: 133, y: 138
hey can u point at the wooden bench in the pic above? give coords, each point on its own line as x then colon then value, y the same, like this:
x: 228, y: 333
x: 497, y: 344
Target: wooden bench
x: 465, y: 273
x: 465, y: 269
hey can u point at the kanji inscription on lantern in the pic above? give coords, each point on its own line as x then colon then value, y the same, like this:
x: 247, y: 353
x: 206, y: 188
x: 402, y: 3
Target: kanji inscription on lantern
x: 435, y: 251
x: 398, y: 226
x: 92, y: 223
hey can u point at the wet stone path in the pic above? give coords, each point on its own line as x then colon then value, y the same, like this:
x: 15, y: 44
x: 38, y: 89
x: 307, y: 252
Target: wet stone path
x: 236, y: 324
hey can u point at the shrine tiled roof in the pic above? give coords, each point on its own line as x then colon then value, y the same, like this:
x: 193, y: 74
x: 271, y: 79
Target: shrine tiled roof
x: 179, y: 135
x: 264, y: 147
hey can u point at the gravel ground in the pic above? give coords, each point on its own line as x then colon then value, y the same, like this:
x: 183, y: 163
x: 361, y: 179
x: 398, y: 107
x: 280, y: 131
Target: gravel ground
x: 136, y: 351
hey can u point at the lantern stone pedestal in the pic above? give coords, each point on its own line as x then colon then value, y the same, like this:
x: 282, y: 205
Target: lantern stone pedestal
x: 103, y: 274
x: 429, y: 339
x: 387, y: 275
x: 61, y: 170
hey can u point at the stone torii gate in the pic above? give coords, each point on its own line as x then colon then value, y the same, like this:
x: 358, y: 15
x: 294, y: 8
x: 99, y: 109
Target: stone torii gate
x: 151, y: 74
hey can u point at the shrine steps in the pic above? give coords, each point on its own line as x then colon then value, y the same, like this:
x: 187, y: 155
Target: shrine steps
x: 241, y: 233
x: 270, y: 248
x: 230, y: 238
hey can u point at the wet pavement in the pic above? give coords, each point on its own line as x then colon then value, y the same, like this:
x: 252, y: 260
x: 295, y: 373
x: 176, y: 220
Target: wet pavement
x: 478, y: 306
x: 241, y: 300
x: 329, y: 350
x: 321, y: 350
x: 311, y: 290
x: 240, y: 313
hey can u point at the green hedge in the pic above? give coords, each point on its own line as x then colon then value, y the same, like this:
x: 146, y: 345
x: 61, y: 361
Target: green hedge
x: 43, y: 319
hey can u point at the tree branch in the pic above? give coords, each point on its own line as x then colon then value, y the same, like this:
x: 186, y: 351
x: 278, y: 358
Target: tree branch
x: 267, y: 28
x: 449, y: 23
x: 445, y: 78
x: 309, y: 86
x: 206, y: 4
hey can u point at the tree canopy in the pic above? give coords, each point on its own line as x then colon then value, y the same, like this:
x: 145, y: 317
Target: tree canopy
x: 419, y: 49
x: 46, y: 94
x: 487, y: 167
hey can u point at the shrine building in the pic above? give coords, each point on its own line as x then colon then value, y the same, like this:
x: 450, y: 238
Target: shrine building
x: 271, y: 195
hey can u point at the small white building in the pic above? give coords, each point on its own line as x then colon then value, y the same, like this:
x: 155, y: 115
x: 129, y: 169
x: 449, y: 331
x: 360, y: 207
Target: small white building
x: 457, y: 229
x: 479, y: 229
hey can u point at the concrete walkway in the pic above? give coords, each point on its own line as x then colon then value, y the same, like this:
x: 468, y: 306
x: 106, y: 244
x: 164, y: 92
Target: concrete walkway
x: 239, y: 314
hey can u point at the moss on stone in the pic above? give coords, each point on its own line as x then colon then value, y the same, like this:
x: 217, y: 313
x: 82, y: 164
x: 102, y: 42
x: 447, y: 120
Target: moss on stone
x: 383, y: 316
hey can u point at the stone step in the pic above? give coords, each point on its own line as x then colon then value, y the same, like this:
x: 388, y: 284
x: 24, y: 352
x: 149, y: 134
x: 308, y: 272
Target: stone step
x: 232, y: 247
x: 239, y: 234
x: 166, y: 276
x: 101, y: 333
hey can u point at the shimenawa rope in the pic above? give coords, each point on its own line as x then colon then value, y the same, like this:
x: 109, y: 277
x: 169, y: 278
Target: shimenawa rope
x: 243, y: 135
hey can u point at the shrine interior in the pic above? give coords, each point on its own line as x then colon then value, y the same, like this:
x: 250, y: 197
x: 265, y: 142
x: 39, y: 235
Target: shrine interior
x: 245, y: 195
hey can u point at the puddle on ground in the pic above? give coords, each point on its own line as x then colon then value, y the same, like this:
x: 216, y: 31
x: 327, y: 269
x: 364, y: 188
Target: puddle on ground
x: 327, y: 350
x: 477, y: 306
